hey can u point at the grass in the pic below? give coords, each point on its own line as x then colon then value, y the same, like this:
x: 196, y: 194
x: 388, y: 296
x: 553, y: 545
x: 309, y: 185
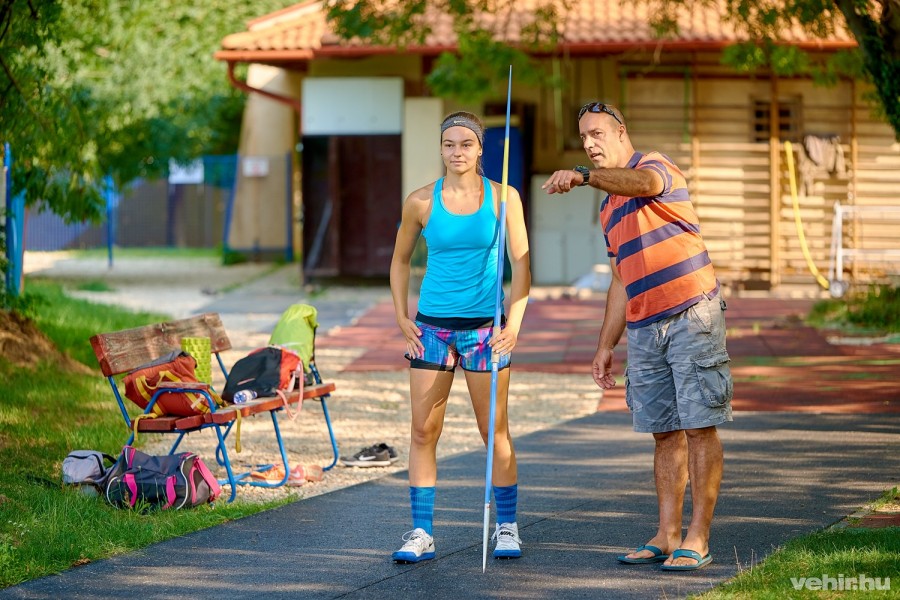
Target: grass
x: 95, y: 285
x: 848, y: 552
x: 876, y: 310
x: 169, y: 252
x: 888, y: 498
x: 47, y: 412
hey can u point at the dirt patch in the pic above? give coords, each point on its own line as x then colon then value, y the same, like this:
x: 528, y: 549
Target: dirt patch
x: 22, y: 344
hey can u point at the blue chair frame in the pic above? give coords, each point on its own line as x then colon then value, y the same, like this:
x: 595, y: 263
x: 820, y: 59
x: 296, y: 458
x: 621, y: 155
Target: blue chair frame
x: 124, y: 351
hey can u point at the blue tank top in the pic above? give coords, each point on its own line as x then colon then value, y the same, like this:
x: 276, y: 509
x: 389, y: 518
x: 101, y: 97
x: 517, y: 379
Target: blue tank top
x: 461, y: 272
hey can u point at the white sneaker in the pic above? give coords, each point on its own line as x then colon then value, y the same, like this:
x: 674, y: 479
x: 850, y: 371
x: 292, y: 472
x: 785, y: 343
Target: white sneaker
x: 419, y: 546
x: 507, y: 536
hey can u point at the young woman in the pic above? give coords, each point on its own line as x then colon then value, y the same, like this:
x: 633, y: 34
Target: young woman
x: 459, y: 217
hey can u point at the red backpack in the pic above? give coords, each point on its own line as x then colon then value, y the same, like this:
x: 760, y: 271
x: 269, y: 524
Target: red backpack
x: 264, y: 371
x: 142, y: 383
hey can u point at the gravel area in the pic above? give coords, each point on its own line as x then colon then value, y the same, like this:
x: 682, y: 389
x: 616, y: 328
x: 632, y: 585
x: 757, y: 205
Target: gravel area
x: 365, y: 409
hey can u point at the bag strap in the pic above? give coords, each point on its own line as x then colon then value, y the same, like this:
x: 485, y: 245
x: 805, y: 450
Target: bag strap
x: 237, y: 439
x: 296, y: 380
x: 101, y: 458
x: 136, y: 420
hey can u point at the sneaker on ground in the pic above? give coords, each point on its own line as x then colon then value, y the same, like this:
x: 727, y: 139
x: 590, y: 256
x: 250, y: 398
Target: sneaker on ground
x: 392, y: 452
x: 368, y: 457
x: 507, y: 536
x: 417, y: 546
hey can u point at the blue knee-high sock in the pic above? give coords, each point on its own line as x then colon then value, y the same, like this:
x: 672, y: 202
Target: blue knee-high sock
x: 506, y: 498
x: 421, y: 499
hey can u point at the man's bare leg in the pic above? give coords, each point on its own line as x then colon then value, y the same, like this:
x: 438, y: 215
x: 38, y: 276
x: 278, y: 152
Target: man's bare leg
x: 670, y: 470
x: 705, y: 462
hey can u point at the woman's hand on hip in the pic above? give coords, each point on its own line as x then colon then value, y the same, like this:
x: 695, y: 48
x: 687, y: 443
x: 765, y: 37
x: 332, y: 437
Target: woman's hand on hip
x: 412, y: 333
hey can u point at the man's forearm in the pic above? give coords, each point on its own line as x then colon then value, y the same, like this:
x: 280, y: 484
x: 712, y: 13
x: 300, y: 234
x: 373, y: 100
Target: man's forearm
x: 625, y: 182
x: 614, y: 316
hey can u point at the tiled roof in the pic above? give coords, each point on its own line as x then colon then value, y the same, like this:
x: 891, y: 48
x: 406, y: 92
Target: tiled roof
x: 300, y: 32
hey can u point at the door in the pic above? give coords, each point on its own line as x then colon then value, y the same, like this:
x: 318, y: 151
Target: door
x: 369, y: 196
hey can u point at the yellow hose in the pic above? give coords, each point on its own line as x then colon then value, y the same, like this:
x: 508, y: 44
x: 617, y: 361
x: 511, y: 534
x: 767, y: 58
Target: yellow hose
x: 789, y: 154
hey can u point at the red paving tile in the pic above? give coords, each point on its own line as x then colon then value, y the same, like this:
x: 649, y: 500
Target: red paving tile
x: 777, y: 362
x: 878, y: 521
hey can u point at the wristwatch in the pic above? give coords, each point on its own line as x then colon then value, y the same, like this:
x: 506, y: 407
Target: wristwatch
x: 584, y: 172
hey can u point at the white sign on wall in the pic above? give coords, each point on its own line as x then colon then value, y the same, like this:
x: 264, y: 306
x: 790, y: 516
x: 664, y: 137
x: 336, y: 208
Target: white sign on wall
x: 255, y: 166
x: 352, y: 105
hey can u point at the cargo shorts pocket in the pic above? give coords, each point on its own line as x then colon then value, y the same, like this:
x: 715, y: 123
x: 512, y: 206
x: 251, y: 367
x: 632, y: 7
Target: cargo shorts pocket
x: 714, y: 378
x: 701, y: 316
x: 629, y: 402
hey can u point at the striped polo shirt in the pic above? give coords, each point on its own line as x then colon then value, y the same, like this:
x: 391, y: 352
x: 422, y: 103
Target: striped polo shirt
x: 656, y: 242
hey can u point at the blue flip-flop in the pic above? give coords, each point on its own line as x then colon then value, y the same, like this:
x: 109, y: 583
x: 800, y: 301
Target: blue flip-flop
x: 702, y: 561
x: 657, y: 556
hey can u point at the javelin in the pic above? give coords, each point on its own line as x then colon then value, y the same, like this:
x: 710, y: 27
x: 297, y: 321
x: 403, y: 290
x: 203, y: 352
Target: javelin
x: 495, y: 356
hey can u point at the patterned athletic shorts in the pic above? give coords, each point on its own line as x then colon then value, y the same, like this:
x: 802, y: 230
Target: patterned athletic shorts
x: 446, y: 348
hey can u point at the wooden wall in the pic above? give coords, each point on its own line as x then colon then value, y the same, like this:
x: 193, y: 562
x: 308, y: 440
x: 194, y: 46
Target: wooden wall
x: 713, y: 125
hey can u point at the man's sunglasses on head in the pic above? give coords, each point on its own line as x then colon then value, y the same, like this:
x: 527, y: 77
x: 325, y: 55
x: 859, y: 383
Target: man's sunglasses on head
x: 598, y: 107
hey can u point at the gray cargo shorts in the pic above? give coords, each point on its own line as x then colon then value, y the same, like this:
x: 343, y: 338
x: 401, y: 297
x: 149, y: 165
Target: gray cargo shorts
x: 677, y: 375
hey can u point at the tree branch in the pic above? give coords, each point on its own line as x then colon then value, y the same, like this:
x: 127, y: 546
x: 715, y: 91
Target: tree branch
x: 890, y: 23
x: 6, y: 17
x: 15, y: 84
x: 882, y: 61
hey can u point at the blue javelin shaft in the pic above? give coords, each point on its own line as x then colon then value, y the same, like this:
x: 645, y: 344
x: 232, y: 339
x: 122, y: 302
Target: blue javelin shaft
x: 495, y: 356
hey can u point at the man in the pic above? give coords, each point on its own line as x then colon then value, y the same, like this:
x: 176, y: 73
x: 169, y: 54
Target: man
x: 677, y: 382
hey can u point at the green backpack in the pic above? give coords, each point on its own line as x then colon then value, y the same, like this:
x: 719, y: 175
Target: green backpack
x: 296, y: 330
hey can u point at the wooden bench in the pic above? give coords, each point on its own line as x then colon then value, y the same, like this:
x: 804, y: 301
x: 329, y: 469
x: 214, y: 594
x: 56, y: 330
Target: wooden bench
x: 124, y: 351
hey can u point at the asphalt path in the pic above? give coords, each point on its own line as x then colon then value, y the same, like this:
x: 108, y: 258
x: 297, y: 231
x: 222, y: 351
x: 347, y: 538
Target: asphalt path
x: 586, y: 495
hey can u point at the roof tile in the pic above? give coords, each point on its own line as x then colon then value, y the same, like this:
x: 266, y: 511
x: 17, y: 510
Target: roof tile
x: 589, y: 23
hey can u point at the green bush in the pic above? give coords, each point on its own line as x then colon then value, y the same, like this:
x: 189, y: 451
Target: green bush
x: 875, y: 310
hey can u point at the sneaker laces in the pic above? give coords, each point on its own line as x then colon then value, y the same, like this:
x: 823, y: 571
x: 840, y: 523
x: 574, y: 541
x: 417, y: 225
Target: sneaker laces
x: 415, y: 540
x: 506, y: 534
x: 364, y: 452
x: 370, y: 451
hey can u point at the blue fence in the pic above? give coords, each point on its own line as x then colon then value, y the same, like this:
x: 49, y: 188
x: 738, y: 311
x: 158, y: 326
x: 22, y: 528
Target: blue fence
x: 14, y: 205
x: 148, y: 214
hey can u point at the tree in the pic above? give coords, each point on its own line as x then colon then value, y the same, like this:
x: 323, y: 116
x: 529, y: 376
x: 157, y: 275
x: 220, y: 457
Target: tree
x: 95, y: 88
x: 875, y: 24
x: 481, y: 58
x: 480, y: 65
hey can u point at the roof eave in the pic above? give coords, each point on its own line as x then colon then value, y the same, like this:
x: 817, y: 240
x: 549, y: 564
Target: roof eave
x: 689, y: 46
x: 266, y: 56
x: 575, y: 48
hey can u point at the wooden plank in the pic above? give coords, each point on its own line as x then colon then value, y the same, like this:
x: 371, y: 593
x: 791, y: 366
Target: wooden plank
x: 164, y: 424
x: 254, y: 407
x: 125, y: 350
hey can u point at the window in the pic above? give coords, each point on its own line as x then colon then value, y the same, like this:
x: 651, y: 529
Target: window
x: 789, y: 123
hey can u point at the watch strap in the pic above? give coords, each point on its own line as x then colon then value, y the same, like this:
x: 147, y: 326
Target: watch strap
x: 584, y: 172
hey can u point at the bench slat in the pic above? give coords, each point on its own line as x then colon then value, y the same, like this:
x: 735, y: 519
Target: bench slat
x: 164, y: 424
x: 260, y: 405
x: 123, y: 351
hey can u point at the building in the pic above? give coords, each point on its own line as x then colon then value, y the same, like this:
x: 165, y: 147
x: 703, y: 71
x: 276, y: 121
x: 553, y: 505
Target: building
x: 367, y: 128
